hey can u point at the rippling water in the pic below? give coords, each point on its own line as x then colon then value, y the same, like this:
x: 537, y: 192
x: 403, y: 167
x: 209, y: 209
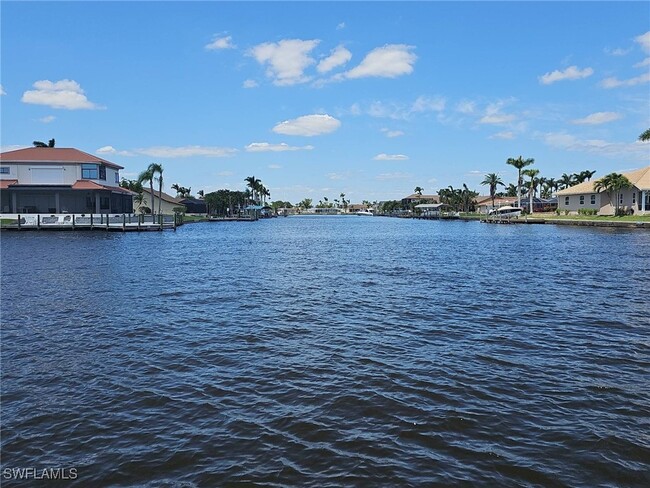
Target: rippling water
x: 329, y: 351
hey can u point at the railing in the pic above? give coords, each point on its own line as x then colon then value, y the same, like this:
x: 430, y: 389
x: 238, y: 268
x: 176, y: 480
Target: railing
x: 111, y: 221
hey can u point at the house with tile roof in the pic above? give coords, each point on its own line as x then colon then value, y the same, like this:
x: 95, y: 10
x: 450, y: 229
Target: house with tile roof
x: 583, y: 196
x: 60, y: 180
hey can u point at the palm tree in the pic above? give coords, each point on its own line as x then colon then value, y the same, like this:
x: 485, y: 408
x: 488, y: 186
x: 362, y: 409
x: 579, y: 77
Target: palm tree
x: 494, y: 180
x: 157, y: 168
x: 254, y: 184
x: 566, y: 181
x: 588, y: 174
x: 531, y: 173
x: 519, y: 163
x: 418, y: 190
x: 613, y: 182
x: 147, y: 175
x: 645, y: 135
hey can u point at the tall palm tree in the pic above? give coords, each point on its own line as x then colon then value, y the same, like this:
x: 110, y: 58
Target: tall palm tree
x: 645, y: 135
x: 519, y: 163
x: 148, y: 176
x: 494, y: 180
x: 418, y: 190
x: 253, y: 183
x: 612, y: 183
x: 532, y: 174
x: 156, y: 168
x: 566, y: 181
x: 588, y: 174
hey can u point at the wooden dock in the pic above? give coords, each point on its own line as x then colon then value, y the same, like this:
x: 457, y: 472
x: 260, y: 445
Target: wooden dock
x: 101, y: 222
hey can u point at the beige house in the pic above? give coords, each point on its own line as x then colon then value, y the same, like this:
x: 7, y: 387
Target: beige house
x: 166, y: 207
x: 484, y: 202
x: 417, y: 198
x: 583, y: 196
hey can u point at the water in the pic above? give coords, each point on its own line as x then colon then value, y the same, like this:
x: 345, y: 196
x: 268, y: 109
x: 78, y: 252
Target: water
x: 329, y: 351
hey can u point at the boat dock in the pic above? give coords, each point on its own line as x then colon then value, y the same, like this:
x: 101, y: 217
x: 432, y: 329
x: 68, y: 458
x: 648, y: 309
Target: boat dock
x: 105, y: 222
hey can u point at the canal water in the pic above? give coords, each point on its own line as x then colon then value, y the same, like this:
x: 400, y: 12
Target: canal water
x: 328, y: 351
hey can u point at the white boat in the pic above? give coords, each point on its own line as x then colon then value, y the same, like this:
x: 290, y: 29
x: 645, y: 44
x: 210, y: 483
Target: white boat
x: 506, y: 212
x: 364, y: 212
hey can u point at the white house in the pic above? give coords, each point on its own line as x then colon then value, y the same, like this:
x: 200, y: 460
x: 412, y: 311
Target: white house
x: 583, y: 196
x: 60, y: 180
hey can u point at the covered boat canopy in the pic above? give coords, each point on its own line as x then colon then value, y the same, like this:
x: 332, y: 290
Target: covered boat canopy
x: 433, y: 206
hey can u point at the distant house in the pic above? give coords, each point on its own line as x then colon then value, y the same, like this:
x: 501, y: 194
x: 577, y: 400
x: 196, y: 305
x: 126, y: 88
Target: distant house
x: 484, y: 203
x: 194, y: 205
x: 356, y: 207
x: 583, y: 195
x: 60, y: 180
x: 416, y: 198
x: 167, y: 205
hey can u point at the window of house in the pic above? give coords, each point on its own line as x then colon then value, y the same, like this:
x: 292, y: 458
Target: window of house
x: 582, y: 199
x: 93, y: 171
x: 593, y: 199
x: 117, y: 177
x: 620, y: 199
x: 566, y: 201
x: 633, y: 197
x: 90, y: 171
x: 4, y: 170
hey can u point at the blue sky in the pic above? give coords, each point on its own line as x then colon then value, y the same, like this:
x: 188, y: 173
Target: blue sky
x: 318, y: 98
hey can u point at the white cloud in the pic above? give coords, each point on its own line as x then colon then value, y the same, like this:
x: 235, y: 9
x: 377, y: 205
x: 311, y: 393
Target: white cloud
x: 225, y: 173
x: 275, y: 166
x: 390, y: 61
x: 493, y: 114
x: 112, y: 150
x: 569, y: 142
x: 393, y: 176
x: 266, y: 147
x: 65, y: 94
x: 643, y: 64
x: 47, y: 119
x: 616, y: 52
x: 340, y: 26
x: 570, y: 73
x: 597, y: 118
x: 644, y: 41
x: 186, y: 151
x: 250, y: 84
x: 286, y: 60
x: 2, y: 90
x: 308, y: 125
x: 506, y: 134
x: 221, y: 43
x: 338, y: 57
x: 390, y: 157
x: 336, y: 176
x: 401, y: 111
x: 466, y: 107
x: 615, y: 82
x: 392, y: 133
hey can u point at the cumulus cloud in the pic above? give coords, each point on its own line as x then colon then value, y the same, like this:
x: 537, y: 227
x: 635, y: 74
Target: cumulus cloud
x: 390, y: 157
x: 389, y: 61
x: 615, y: 82
x: 47, y: 119
x: 644, y: 41
x: 597, y: 118
x: 275, y: 166
x: 466, y: 107
x: 266, y: 147
x: 186, y: 151
x: 285, y: 60
x: 2, y: 90
x: 616, y: 52
x: 224, y: 42
x: 570, y: 73
x: 393, y: 176
x: 340, y: 26
x: 250, y: 84
x: 111, y: 150
x: 338, y: 57
x: 308, y: 125
x: 493, y: 114
x: 65, y: 94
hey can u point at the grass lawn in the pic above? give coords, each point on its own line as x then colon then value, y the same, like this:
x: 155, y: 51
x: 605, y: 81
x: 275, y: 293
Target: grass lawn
x: 194, y: 218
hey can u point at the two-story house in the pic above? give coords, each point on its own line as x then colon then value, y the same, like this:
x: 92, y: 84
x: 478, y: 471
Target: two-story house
x: 60, y: 180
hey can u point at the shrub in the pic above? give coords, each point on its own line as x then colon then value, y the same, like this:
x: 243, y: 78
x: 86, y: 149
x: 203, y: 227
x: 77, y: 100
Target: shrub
x: 179, y: 210
x: 587, y: 211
